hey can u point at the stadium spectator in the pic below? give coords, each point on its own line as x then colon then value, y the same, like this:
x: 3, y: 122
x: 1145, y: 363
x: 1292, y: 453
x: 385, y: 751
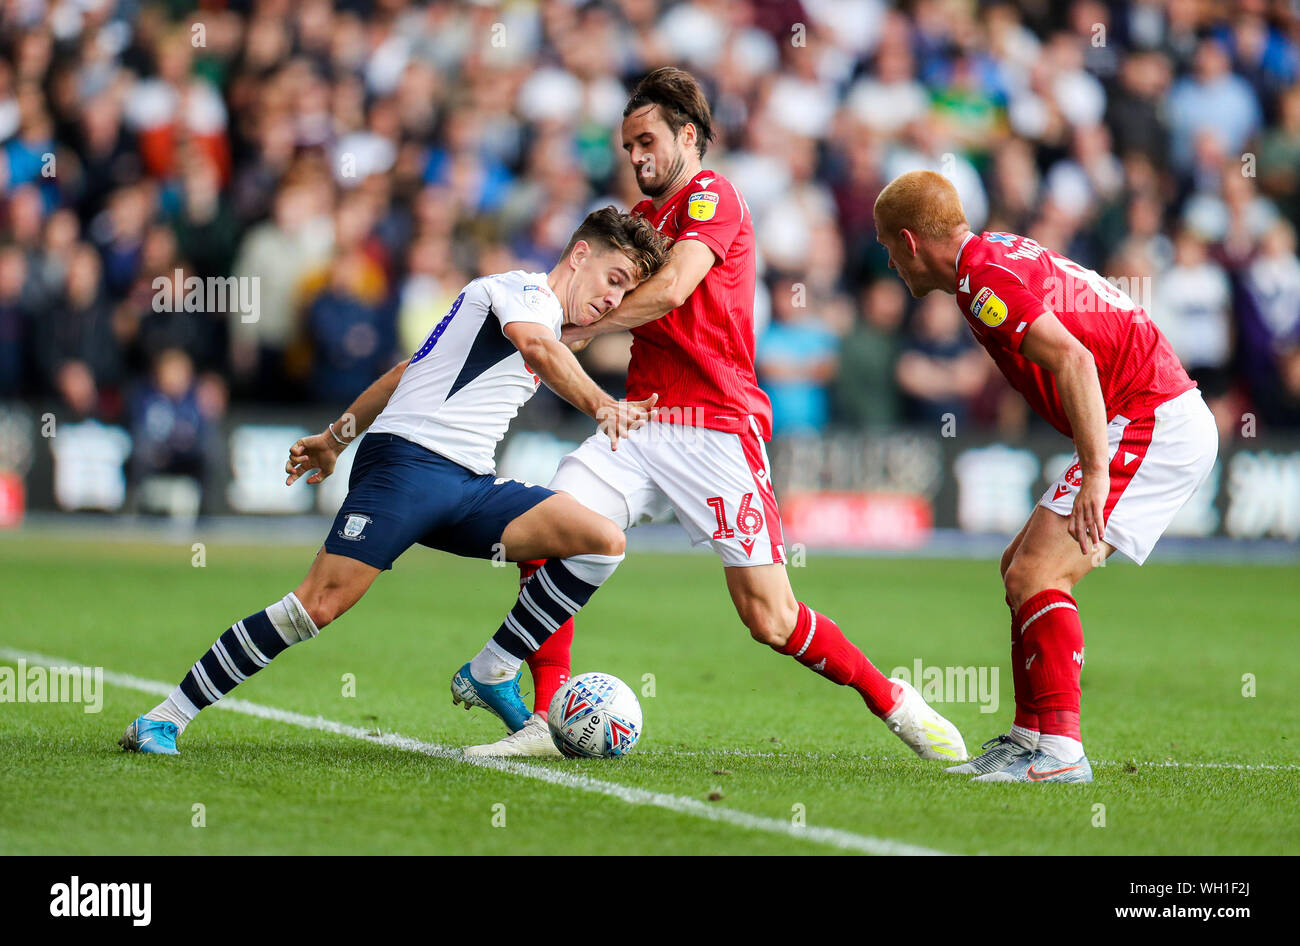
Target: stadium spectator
x: 1193, y: 307
x: 1213, y: 100
x: 171, y: 420
x: 77, y: 354
x: 940, y: 368
x: 1270, y: 328
x: 13, y: 273
x: 796, y: 361
x: 865, y: 392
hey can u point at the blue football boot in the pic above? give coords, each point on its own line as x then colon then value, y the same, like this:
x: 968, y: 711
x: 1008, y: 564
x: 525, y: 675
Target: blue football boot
x: 500, y: 699
x: 150, y: 735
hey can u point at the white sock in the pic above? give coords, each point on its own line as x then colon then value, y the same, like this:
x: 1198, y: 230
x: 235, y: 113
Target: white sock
x: 1061, y: 747
x: 494, y: 664
x: 175, y: 709
x: 1027, y: 738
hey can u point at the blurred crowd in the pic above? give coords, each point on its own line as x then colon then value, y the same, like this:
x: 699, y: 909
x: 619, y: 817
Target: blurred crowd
x: 364, y: 159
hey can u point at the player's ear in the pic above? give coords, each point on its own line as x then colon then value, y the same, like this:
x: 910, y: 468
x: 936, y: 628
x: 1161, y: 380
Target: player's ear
x: 910, y: 239
x: 578, y: 255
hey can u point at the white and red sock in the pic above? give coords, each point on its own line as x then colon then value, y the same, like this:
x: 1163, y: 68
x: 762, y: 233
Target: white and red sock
x: 551, y: 663
x: 819, y: 644
x: 1051, y: 636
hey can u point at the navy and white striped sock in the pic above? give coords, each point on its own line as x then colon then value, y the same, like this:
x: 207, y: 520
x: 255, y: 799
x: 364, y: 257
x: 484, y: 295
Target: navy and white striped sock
x: 555, y: 593
x: 240, y: 652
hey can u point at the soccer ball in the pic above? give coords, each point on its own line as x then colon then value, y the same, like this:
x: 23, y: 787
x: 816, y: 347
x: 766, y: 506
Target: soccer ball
x: 594, y: 716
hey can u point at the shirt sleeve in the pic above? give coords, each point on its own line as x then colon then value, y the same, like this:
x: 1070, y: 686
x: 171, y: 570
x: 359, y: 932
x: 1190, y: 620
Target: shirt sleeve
x: 712, y: 214
x: 1005, y: 306
x: 516, y: 300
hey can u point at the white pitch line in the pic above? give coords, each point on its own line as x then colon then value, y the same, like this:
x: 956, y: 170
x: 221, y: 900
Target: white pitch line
x: 835, y: 756
x: 680, y: 804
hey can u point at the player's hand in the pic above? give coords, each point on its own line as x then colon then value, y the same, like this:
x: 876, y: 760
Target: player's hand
x: 623, y: 417
x: 319, y: 453
x: 1087, y: 519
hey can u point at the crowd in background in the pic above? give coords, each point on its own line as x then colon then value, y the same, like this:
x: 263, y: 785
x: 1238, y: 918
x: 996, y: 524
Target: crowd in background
x: 364, y: 159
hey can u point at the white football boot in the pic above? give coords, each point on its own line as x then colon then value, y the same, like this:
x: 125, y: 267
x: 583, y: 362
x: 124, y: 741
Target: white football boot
x: 534, y: 739
x: 926, y: 733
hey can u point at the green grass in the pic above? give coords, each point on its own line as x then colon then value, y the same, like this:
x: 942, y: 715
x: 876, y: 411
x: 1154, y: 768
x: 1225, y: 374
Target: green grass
x: 1167, y: 648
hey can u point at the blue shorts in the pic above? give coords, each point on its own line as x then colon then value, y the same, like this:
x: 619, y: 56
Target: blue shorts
x: 400, y: 494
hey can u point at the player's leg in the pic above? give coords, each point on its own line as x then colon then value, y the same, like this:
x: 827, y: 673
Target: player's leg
x: 550, y: 663
x: 1043, y: 571
x: 580, y: 548
x: 1156, y: 465
x: 1022, y: 739
x: 394, y: 492
x: 719, y: 487
x: 767, y: 606
x: 332, y: 585
x: 1024, y: 728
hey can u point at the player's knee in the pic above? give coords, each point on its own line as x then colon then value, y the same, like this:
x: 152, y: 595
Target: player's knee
x: 612, y: 538
x: 1016, y: 577
x: 1008, y: 554
x: 1026, y: 576
x: 767, y: 624
x: 322, y: 605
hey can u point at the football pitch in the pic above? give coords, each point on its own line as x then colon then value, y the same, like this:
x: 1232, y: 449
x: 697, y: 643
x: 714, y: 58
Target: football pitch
x: 347, y: 744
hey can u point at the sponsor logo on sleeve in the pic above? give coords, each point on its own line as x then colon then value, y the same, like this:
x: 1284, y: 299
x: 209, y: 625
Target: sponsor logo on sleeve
x: 988, y: 308
x: 536, y: 295
x: 702, y: 205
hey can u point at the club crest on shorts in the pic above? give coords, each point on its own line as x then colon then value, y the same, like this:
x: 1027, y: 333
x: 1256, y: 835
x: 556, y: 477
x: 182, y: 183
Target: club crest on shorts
x: 354, y: 526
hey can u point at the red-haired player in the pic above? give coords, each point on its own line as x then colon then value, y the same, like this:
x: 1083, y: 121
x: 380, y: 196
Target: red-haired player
x: 1096, y: 367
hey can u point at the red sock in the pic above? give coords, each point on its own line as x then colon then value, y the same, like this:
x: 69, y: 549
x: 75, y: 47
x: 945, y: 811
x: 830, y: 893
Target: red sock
x: 819, y: 644
x: 1052, y: 639
x: 1026, y: 718
x: 550, y: 664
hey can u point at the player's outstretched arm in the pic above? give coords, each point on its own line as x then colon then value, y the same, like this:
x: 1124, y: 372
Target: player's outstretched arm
x: 689, y: 262
x: 321, y: 451
x: 1050, y: 346
x: 556, y: 365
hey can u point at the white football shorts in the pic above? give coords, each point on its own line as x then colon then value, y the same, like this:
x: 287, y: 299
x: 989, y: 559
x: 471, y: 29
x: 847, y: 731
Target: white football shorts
x: 717, y: 484
x: 1156, y: 464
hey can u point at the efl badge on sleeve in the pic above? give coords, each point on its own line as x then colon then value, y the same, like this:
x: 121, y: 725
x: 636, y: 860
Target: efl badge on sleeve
x: 702, y: 205
x: 988, y: 308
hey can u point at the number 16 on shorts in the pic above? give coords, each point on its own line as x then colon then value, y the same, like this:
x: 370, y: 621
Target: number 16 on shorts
x: 748, y: 519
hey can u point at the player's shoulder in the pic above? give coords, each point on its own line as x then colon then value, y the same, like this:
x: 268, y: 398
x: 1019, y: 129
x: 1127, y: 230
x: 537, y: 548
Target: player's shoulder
x: 519, y: 285
x: 709, y: 195
x: 991, y: 258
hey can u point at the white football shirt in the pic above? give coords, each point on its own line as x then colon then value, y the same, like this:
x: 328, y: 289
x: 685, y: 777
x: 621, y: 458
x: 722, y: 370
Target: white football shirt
x: 467, y: 381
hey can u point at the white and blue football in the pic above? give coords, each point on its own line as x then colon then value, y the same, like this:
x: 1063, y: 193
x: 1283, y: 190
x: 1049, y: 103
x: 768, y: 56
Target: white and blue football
x: 594, y: 716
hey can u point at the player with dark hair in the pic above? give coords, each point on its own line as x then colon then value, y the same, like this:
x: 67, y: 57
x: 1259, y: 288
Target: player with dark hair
x: 1094, y: 365
x: 425, y: 473
x: 703, y: 457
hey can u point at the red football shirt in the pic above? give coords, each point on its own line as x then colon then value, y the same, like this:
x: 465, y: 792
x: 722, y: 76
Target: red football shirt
x: 1005, y: 282
x: 700, y: 356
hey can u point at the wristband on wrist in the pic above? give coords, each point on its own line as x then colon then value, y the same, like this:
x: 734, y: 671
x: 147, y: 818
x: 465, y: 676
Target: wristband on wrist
x: 341, y: 441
